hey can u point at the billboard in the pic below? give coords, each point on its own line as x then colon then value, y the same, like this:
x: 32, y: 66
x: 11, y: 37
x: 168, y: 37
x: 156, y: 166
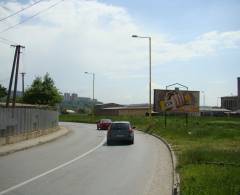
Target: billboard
x: 176, y: 101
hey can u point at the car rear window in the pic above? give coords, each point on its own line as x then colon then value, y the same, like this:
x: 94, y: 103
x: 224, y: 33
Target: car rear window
x: 106, y: 121
x: 120, y: 126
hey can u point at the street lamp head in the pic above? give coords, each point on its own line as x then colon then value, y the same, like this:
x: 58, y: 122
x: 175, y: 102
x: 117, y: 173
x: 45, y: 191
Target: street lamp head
x: 86, y: 72
x: 134, y: 36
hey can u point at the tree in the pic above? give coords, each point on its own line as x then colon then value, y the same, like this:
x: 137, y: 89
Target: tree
x: 42, y: 91
x: 3, y: 91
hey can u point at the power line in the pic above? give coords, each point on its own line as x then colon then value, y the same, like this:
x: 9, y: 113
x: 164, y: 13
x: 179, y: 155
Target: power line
x: 7, y: 40
x: 23, y: 21
x: 4, y: 43
x: 3, y: 80
x: 19, y: 11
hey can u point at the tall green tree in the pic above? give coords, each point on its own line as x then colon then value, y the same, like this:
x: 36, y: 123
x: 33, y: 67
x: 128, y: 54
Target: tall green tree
x: 42, y: 91
x: 3, y: 91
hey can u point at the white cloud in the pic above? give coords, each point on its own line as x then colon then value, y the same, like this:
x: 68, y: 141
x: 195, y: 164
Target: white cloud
x: 78, y: 36
x: 155, y: 85
x: 204, y: 45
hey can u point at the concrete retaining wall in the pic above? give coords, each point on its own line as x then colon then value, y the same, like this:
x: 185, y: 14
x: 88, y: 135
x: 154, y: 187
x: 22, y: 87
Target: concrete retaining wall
x: 17, y: 124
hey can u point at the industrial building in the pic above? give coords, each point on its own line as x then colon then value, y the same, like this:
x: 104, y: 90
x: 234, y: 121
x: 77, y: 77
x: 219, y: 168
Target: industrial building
x: 113, y: 109
x: 213, y: 111
x: 232, y: 102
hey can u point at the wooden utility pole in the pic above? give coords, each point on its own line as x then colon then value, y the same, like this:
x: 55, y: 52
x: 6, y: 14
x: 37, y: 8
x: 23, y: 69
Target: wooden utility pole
x: 14, y: 66
x: 11, y: 78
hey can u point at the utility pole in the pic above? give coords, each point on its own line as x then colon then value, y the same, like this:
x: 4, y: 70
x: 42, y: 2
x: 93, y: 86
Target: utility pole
x: 15, y: 66
x: 23, y: 74
x: 11, y: 78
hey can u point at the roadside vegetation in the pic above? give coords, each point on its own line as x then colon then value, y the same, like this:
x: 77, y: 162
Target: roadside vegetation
x: 42, y: 91
x: 3, y: 91
x: 208, y: 149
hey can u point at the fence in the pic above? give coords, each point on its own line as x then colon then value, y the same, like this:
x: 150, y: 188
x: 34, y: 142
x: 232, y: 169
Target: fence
x: 15, y: 121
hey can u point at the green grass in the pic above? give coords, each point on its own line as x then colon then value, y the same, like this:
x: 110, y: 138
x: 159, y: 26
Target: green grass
x: 210, y: 179
x: 208, y: 149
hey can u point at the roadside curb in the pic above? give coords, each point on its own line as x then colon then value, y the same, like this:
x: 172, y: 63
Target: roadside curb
x: 176, y: 177
x: 23, y: 145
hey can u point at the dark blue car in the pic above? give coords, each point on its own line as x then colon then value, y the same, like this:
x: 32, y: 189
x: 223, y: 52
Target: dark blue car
x: 120, y: 131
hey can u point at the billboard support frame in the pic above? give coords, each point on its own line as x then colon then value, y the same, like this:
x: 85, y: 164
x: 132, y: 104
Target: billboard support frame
x: 186, y: 120
x: 165, y: 112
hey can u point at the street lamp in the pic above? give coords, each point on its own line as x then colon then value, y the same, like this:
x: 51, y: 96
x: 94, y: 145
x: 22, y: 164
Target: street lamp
x: 93, y: 75
x: 150, y: 71
x: 217, y: 101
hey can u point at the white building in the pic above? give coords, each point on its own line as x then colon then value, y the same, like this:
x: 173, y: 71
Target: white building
x: 67, y: 97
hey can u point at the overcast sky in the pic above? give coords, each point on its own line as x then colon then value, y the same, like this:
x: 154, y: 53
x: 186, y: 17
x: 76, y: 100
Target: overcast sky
x: 195, y: 43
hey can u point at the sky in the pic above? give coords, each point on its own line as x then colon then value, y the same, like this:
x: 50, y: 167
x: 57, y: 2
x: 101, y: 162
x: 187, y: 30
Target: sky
x: 195, y: 43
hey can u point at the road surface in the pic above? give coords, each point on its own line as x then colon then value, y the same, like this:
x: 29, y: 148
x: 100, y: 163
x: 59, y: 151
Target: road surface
x: 81, y: 163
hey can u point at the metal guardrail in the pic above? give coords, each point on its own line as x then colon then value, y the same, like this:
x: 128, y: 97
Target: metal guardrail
x: 15, y: 121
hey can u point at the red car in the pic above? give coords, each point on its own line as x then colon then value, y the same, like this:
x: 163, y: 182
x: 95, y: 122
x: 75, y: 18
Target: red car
x: 103, y: 124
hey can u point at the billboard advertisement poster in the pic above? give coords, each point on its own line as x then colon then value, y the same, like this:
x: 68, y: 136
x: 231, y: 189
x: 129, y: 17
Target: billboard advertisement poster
x: 176, y: 101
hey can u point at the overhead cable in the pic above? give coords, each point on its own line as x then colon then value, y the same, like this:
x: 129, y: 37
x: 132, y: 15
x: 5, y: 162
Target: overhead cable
x: 7, y: 40
x: 25, y: 20
x: 21, y: 10
x: 4, y: 43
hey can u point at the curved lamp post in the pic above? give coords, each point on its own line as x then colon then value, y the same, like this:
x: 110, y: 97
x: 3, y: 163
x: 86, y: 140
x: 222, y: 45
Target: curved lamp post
x: 93, y: 76
x: 150, y: 71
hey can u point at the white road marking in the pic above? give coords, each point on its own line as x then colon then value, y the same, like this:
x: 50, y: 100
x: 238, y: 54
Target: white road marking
x: 52, y: 170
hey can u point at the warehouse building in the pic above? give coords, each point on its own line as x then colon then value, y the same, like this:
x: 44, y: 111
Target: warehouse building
x: 232, y: 102
x: 112, y: 109
x: 213, y: 111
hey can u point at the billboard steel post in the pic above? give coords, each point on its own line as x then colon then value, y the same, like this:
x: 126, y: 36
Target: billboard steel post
x: 186, y: 120
x: 186, y: 112
x: 165, y: 119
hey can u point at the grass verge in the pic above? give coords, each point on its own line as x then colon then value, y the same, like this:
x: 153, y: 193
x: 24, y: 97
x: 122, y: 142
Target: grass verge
x: 208, y: 149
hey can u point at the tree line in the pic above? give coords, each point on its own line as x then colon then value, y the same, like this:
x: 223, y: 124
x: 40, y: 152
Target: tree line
x: 42, y: 91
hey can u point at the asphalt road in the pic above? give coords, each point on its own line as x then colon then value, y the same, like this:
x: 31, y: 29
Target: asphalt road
x: 81, y: 163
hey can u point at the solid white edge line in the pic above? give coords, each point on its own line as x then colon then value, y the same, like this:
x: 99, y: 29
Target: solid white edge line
x: 52, y: 170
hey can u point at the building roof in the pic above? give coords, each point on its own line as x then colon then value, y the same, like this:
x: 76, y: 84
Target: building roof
x: 183, y: 90
x: 212, y: 109
x: 20, y: 105
x: 108, y: 105
x: 125, y: 108
x: 236, y: 112
x: 230, y: 97
x: 70, y: 111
